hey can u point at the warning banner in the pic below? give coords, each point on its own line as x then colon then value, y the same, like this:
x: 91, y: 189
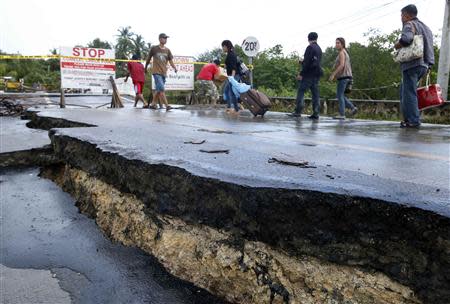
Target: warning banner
x: 184, y: 79
x: 84, y: 68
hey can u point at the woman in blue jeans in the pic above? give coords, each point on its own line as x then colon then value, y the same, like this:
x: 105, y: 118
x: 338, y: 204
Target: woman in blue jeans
x: 343, y: 74
x: 231, y: 65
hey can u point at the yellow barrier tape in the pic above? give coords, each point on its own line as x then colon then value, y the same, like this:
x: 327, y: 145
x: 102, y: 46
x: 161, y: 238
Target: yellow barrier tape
x: 23, y: 57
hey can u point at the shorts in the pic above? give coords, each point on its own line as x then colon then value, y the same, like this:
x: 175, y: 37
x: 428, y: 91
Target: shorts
x: 160, y: 81
x: 206, y: 88
x: 138, y: 87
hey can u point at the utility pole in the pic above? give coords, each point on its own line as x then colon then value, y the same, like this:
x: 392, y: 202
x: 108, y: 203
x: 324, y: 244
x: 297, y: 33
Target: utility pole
x: 444, y: 53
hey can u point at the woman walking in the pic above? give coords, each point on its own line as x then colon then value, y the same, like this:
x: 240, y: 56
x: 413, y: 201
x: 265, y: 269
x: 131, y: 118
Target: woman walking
x: 231, y: 65
x: 343, y: 74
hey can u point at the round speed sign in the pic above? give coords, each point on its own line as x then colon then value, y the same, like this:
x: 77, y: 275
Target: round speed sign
x: 250, y: 46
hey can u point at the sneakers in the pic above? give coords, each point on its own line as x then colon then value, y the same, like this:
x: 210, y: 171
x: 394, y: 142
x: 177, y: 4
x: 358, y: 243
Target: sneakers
x: 294, y: 114
x: 313, y: 117
x: 339, y: 117
x: 354, y: 111
x: 405, y: 124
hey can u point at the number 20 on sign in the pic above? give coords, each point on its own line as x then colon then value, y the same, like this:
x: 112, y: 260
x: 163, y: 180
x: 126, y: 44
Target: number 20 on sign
x: 250, y: 46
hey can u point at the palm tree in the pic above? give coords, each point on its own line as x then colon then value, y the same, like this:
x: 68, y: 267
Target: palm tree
x: 124, y: 48
x: 124, y: 44
x: 139, y: 45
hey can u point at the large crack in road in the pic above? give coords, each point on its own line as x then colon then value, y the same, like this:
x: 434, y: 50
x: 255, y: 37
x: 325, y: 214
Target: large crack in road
x: 257, y: 244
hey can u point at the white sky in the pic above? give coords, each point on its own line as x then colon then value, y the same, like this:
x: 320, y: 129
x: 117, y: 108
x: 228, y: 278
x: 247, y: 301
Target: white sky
x: 33, y: 27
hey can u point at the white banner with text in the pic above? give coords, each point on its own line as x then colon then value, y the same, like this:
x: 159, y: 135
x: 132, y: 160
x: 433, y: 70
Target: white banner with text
x: 184, y: 79
x: 83, y: 68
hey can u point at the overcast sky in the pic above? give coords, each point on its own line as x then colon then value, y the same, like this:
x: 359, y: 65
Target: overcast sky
x: 33, y: 27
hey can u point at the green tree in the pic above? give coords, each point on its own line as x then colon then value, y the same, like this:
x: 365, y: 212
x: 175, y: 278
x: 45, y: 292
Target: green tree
x: 274, y: 72
x: 99, y: 44
x: 127, y: 44
x: 124, y: 45
x: 210, y: 55
x: 141, y: 48
x: 53, y: 64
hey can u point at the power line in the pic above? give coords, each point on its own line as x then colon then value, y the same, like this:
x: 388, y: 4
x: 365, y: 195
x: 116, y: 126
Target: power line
x: 353, y: 22
x: 350, y: 18
x: 375, y: 17
x: 366, y: 12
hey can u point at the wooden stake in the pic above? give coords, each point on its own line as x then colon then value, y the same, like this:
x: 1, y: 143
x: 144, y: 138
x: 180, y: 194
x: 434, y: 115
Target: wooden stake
x: 116, y: 101
x: 62, y: 101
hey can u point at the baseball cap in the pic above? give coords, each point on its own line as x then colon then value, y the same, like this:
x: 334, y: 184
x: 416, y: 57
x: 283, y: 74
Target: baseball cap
x: 162, y: 35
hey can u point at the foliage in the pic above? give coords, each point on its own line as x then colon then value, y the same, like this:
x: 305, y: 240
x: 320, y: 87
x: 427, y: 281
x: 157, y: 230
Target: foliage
x: 210, y: 55
x: 374, y: 70
x: 128, y: 44
x: 274, y: 72
x: 43, y: 72
x: 99, y: 44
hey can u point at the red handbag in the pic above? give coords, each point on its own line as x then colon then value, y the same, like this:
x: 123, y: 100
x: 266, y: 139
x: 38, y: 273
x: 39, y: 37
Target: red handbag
x: 429, y: 96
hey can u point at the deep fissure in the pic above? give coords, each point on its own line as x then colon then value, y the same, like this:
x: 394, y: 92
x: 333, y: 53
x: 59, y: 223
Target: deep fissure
x: 249, y: 234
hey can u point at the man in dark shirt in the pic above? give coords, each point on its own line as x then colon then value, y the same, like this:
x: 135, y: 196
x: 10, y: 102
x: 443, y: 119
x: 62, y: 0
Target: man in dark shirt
x: 137, y: 73
x: 309, y: 77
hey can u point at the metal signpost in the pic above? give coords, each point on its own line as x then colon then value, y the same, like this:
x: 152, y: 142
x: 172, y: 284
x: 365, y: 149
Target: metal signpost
x: 250, y: 46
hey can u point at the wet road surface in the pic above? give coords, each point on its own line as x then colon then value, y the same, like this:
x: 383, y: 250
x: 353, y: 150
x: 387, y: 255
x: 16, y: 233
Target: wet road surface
x: 16, y: 136
x: 364, y: 158
x: 41, y: 229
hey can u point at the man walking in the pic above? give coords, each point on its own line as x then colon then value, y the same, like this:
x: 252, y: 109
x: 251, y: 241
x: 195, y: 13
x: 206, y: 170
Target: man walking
x: 309, y: 77
x: 137, y: 73
x: 415, y: 69
x: 161, y: 55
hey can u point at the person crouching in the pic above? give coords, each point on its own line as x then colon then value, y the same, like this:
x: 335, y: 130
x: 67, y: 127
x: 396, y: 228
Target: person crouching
x: 207, y: 90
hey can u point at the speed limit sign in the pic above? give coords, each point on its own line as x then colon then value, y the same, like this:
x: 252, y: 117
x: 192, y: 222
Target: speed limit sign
x: 250, y: 46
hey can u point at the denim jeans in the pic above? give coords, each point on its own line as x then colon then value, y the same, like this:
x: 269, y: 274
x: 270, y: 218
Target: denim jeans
x: 408, y: 95
x: 160, y: 81
x: 340, y: 95
x: 303, y: 85
x: 232, y: 100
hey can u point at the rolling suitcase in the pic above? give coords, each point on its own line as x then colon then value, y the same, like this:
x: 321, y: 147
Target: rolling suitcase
x: 257, y: 102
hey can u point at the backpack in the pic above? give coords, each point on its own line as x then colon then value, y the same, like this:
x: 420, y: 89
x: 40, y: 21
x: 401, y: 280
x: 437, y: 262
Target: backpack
x: 243, y: 71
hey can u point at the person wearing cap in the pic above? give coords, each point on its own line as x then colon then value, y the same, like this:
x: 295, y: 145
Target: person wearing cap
x: 309, y: 77
x: 205, y: 87
x: 161, y: 56
x: 137, y: 72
